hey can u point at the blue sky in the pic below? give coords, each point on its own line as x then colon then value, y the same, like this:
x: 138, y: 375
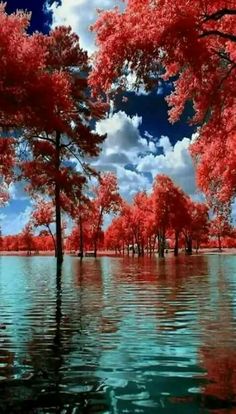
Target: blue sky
x: 140, y: 141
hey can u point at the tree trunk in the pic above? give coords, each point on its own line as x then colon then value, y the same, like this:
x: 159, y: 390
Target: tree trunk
x: 139, y: 249
x: 58, y: 203
x: 95, y: 248
x: 81, y: 239
x: 97, y: 232
x: 197, y: 245
x: 53, y: 239
x: 176, y: 249
x: 189, y: 247
x: 219, y: 243
x: 142, y: 249
x: 154, y: 244
x: 161, y: 244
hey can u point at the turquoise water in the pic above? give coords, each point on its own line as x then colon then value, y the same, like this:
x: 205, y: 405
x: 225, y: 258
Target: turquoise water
x: 118, y: 336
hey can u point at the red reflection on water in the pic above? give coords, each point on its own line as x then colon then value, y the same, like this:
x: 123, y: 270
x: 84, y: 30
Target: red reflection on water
x: 220, y: 364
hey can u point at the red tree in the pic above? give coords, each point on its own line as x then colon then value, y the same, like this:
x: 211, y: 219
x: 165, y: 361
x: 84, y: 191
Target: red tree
x: 26, y: 239
x: 220, y: 225
x: 196, y: 226
x: 169, y: 208
x: 43, y: 215
x: 107, y: 200
x: 82, y: 214
x: 193, y: 42
x: 62, y: 132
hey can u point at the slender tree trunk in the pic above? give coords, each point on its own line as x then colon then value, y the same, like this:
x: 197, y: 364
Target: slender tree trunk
x: 95, y: 247
x: 142, y: 248
x: 161, y: 244
x: 133, y: 248
x: 58, y: 203
x: 97, y: 233
x: 197, y: 245
x: 81, y: 238
x: 139, y: 249
x: 219, y: 243
x: 189, y: 245
x: 176, y: 249
x: 154, y: 244
x: 53, y: 239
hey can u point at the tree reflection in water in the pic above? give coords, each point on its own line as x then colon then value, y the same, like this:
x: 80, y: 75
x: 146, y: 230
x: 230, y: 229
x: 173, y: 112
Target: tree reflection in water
x: 117, y: 335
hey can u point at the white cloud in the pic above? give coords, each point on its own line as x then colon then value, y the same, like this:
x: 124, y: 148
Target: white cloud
x: 123, y: 137
x: 15, y: 222
x: 124, y: 146
x: 80, y: 15
x: 17, y: 191
x: 175, y: 162
x: 130, y: 182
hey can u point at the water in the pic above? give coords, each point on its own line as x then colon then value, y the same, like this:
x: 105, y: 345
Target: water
x: 121, y: 336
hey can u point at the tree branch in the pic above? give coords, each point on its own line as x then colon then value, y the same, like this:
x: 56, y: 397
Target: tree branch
x: 219, y: 14
x: 80, y: 162
x: 43, y: 138
x: 228, y: 36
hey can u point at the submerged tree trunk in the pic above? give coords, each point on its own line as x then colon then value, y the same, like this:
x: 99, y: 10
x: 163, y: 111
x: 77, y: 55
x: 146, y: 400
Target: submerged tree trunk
x: 189, y: 245
x: 59, y: 251
x: 81, y: 238
x: 176, y: 249
x: 161, y: 244
x: 197, y: 245
x: 123, y: 248
x: 219, y: 242
x: 95, y: 248
x: 97, y: 233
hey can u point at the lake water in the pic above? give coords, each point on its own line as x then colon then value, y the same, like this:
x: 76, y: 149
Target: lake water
x: 118, y: 336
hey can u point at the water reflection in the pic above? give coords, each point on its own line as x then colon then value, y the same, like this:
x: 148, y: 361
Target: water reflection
x: 118, y: 335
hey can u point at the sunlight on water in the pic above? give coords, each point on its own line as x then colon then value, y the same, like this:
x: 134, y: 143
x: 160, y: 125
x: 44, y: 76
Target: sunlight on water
x: 122, y: 335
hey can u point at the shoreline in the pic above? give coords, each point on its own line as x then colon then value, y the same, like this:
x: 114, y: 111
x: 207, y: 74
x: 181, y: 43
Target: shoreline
x: 50, y: 253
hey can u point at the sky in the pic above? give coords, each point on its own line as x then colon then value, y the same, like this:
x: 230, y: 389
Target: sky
x: 140, y: 142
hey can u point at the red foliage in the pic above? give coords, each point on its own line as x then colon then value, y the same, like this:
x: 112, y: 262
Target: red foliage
x: 60, y: 132
x: 7, y: 160
x: 43, y: 214
x: 107, y: 200
x: 193, y: 42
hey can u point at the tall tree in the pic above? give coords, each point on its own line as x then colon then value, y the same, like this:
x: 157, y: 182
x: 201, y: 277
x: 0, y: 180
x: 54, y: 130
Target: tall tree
x: 169, y: 209
x: 62, y: 132
x: 196, y: 224
x: 192, y: 43
x: 107, y: 200
x: 220, y: 225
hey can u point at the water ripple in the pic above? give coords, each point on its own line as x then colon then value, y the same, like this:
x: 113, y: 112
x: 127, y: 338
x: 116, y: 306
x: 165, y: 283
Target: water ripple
x: 122, y: 335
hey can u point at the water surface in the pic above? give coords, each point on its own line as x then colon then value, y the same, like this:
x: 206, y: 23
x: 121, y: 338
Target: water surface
x: 118, y: 336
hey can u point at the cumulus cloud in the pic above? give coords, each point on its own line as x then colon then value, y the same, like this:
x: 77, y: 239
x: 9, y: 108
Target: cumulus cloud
x: 123, y: 136
x: 80, y: 15
x: 175, y: 162
x: 137, y: 160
